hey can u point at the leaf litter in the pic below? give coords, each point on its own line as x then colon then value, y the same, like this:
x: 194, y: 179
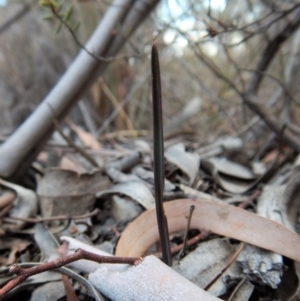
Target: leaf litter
x: 266, y: 228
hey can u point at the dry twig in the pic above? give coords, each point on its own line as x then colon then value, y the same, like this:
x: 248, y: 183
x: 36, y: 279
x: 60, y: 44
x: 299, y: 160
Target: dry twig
x: 24, y: 273
x: 51, y: 218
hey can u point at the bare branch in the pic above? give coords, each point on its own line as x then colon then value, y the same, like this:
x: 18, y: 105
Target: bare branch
x: 24, y: 273
x: 271, y: 50
x: 52, y: 218
x: 265, y: 60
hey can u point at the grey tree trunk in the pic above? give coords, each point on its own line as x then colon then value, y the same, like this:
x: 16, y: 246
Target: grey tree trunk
x: 20, y: 149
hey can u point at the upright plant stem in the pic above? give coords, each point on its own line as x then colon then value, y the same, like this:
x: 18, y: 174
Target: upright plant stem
x: 159, y: 169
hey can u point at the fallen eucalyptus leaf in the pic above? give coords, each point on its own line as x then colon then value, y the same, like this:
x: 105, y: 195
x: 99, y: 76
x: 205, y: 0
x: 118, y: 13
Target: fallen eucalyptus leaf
x: 66, y: 192
x: 227, y: 144
x: 25, y: 205
x: 148, y: 176
x: 141, y: 146
x: 68, y: 163
x: 6, y: 199
x: 124, y: 208
x: 126, y: 163
x: 233, y: 185
x: 87, y: 138
x: 233, y: 169
x: 259, y: 168
x: 46, y: 242
x: 118, y: 176
x: 273, y: 205
x: 193, y: 193
x: 187, y: 162
x: 136, y: 190
x: 216, y: 217
x: 230, y: 176
x: 16, y: 247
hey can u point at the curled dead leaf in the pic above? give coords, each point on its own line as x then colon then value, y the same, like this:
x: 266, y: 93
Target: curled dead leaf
x: 217, y: 217
x: 25, y: 204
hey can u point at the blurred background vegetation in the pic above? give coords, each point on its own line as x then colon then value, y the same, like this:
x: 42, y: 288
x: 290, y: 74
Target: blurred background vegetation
x: 209, y: 51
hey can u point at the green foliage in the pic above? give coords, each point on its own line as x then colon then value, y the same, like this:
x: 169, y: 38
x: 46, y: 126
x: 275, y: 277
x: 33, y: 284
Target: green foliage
x: 61, y: 11
x: 69, y: 14
x: 58, y: 29
x: 75, y: 28
x: 48, y: 18
x: 49, y: 3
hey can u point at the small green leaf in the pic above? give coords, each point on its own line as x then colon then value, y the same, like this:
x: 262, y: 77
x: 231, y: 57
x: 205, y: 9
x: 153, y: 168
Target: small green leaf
x: 59, y: 7
x: 69, y: 14
x: 75, y: 28
x: 45, y: 3
x: 58, y: 29
x: 48, y: 3
x: 48, y: 18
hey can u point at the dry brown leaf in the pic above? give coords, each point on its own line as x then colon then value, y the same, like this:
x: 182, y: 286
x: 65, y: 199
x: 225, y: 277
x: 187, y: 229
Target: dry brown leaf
x: 271, y: 156
x: 136, y: 190
x: 216, y: 217
x: 231, y: 176
x: 71, y: 296
x: 42, y: 156
x: 64, y: 191
x: 6, y: 199
x: 185, y: 161
x: 68, y: 164
x: 87, y: 139
x: 18, y: 246
x: 25, y: 204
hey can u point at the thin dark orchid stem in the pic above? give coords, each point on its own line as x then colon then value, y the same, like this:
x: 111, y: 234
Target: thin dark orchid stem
x: 184, y: 245
x: 159, y: 168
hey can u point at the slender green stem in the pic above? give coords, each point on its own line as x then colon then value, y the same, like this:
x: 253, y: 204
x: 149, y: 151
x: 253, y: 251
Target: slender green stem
x: 159, y: 168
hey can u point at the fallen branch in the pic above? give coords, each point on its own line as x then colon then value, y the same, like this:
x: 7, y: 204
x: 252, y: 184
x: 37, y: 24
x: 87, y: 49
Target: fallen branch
x: 271, y: 50
x: 149, y: 279
x: 51, y: 218
x: 276, y: 126
x: 24, y: 273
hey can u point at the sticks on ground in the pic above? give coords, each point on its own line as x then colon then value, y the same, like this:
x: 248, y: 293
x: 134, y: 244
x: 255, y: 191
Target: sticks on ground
x: 24, y: 273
